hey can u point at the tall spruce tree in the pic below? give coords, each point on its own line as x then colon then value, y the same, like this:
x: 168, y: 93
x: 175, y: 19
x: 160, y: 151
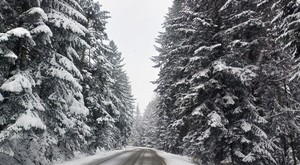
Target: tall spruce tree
x: 23, y: 135
x: 45, y: 46
x: 174, y: 54
x: 97, y: 70
x: 137, y: 128
x: 122, y: 91
x: 150, y: 125
x: 217, y: 114
x: 286, y: 116
x: 59, y: 77
x: 111, y: 112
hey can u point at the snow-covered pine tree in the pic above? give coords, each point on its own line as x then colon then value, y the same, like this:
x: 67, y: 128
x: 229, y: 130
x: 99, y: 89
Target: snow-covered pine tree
x: 97, y: 79
x: 235, y: 115
x: 218, y: 102
x: 44, y: 47
x: 234, y: 122
x: 58, y: 79
x: 111, y: 111
x: 285, y: 116
x: 175, y: 50
x: 117, y: 100
x: 102, y: 111
x: 37, y: 63
x: 243, y: 36
x: 23, y: 134
x: 197, y: 103
x: 150, y: 125
x: 137, y: 128
x: 122, y: 91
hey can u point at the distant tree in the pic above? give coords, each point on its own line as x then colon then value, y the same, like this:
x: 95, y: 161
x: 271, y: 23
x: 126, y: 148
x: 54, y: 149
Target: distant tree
x: 137, y: 128
x: 150, y: 124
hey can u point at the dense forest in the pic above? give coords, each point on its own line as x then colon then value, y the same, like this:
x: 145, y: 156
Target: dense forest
x: 63, y: 89
x: 229, y: 83
x: 227, y: 92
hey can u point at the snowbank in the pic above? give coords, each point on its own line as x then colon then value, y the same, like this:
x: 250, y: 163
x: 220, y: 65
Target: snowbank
x: 81, y: 159
x: 172, y: 159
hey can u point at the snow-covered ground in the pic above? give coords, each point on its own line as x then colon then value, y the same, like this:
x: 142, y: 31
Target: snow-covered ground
x: 81, y: 160
x: 170, y: 159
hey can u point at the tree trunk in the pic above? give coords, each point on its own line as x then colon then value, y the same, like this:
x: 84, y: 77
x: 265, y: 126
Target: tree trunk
x: 285, y: 148
x: 232, y: 154
x: 293, y: 148
x: 82, y: 60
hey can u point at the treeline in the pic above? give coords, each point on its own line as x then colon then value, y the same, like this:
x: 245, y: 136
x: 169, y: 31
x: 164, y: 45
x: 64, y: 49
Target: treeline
x: 229, y: 82
x: 63, y: 89
x: 145, y: 129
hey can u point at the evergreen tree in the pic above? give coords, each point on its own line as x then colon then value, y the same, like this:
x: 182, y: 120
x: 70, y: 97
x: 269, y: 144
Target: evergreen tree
x: 59, y: 77
x: 97, y: 79
x: 150, y: 125
x: 174, y: 55
x: 137, y: 128
x: 45, y: 46
x: 285, y: 117
x: 217, y: 112
x: 23, y: 135
x: 111, y: 112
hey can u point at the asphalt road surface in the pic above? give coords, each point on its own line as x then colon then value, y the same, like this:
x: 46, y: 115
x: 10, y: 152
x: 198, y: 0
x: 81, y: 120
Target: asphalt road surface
x: 133, y: 157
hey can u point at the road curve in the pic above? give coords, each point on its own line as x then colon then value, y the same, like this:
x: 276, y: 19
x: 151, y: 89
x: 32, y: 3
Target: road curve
x: 133, y: 157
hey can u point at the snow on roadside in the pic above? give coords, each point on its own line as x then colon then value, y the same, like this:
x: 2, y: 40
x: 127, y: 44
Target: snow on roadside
x: 172, y: 159
x: 80, y: 160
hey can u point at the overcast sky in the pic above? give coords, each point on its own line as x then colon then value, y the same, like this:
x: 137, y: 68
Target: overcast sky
x: 134, y: 25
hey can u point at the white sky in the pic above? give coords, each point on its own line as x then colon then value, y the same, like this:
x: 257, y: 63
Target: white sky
x: 134, y: 25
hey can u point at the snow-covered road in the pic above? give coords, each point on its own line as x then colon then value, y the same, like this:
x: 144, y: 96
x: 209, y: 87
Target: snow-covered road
x: 133, y: 156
